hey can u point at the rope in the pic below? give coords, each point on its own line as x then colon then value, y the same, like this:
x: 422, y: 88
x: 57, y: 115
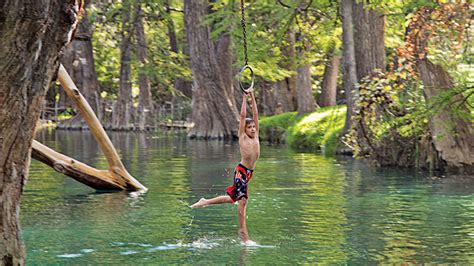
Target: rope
x: 246, y: 66
x: 242, y: 22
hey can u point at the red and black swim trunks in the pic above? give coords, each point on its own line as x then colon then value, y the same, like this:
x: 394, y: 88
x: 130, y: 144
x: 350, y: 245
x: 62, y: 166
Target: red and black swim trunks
x: 242, y: 176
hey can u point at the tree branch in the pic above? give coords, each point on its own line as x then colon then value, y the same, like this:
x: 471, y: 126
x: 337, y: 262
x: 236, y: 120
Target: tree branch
x: 168, y: 8
x: 281, y: 3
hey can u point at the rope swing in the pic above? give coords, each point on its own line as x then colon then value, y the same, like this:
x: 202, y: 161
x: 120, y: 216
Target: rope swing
x: 246, y: 65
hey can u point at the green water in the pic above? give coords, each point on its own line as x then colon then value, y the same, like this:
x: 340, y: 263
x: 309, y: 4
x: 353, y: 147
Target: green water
x: 303, y: 208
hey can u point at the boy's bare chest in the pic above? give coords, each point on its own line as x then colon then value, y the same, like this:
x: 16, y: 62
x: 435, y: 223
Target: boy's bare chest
x: 250, y: 146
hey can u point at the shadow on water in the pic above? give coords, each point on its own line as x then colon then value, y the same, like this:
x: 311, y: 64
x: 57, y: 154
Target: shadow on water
x: 302, y: 208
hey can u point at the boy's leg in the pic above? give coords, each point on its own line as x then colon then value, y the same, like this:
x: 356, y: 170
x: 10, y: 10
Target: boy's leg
x: 244, y: 234
x: 217, y: 200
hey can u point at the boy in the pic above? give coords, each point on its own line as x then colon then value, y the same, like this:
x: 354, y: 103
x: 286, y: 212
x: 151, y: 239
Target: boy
x: 250, y: 151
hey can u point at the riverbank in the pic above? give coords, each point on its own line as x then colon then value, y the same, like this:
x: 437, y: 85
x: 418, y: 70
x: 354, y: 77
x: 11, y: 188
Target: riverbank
x: 79, y: 124
x: 317, y: 131
x: 44, y: 124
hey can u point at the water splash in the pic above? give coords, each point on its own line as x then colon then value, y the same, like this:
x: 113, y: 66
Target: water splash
x: 131, y: 244
x: 203, y: 243
x: 72, y: 255
x: 252, y: 244
x: 129, y: 252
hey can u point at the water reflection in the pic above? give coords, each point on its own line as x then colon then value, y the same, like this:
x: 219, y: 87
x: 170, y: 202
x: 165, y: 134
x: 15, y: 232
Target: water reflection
x: 302, y: 208
x: 323, y: 208
x: 400, y: 216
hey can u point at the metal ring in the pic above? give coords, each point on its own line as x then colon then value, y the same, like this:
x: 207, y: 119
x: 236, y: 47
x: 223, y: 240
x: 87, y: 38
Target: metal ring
x: 246, y: 90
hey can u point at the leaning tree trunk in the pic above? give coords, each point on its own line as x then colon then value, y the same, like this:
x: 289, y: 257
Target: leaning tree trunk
x: 121, y: 114
x: 214, y: 110
x: 349, y: 61
x: 145, y: 104
x: 78, y: 58
x: 116, y: 178
x: 453, y: 136
x: 329, y: 86
x: 32, y: 34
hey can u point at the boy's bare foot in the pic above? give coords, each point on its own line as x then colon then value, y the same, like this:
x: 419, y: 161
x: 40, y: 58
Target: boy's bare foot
x: 249, y: 242
x: 201, y: 203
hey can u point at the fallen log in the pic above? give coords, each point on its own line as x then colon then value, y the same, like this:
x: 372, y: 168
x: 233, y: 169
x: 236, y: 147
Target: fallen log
x: 115, y: 178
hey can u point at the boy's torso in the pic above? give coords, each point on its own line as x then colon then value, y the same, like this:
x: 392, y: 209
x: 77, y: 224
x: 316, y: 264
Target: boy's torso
x: 249, y: 150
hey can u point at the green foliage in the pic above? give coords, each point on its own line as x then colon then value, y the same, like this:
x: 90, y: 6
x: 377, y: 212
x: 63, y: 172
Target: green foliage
x: 164, y: 66
x: 392, y: 106
x: 397, y: 13
x: 459, y: 99
x: 387, y: 104
x: 106, y: 45
x: 274, y: 128
x: 319, y: 130
x: 316, y: 30
x: 67, y: 114
x: 415, y: 119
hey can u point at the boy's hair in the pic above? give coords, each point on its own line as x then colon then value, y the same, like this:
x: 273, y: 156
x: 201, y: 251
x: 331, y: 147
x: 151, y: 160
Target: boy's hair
x: 248, y: 121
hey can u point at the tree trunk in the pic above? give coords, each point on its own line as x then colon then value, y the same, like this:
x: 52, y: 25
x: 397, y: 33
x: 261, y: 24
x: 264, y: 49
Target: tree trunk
x: 453, y: 136
x: 121, y: 114
x: 369, y: 45
x: 214, y: 110
x: 369, y: 53
x: 145, y: 105
x: 180, y: 84
x: 50, y: 103
x: 287, y: 91
x: 329, y: 86
x: 32, y: 34
x: 369, y: 26
x: 225, y: 61
x: 268, y: 103
x: 283, y: 95
x: 306, y: 102
x: 171, y: 30
x: 78, y: 58
x: 349, y: 61
x: 63, y: 101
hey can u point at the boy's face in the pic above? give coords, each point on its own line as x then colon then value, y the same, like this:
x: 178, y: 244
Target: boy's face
x: 250, y: 130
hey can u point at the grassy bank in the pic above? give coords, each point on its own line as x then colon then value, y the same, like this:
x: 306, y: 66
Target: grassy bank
x: 319, y: 130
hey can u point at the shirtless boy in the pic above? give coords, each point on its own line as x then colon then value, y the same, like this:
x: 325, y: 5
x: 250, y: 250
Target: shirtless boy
x: 250, y: 151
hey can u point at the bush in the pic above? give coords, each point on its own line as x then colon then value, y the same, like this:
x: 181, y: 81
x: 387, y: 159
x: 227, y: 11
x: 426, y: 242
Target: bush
x: 319, y: 130
x: 274, y: 128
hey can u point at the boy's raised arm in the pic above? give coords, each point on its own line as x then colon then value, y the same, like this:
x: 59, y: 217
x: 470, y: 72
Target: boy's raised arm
x: 243, y: 114
x: 254, y: 111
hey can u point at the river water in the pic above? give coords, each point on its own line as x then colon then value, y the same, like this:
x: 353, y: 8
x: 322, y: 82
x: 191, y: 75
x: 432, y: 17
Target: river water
x: 303, y: 208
